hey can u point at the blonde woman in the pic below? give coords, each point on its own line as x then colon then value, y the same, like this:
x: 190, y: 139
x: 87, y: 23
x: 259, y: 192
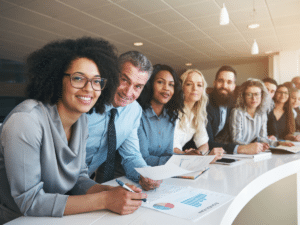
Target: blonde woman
x: 192, y: 123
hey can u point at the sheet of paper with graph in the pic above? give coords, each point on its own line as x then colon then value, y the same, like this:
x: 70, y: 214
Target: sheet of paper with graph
x: 185, y: 202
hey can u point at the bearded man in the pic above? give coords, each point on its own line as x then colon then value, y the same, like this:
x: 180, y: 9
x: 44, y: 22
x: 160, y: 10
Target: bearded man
x: 221, y: 102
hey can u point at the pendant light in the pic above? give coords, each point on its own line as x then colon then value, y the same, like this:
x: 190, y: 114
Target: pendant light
x: 224, y: 17
x: 254, y: 49
x: 254, y: 24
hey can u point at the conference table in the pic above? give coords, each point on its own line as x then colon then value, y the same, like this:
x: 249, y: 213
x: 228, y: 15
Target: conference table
x: 242, y: 181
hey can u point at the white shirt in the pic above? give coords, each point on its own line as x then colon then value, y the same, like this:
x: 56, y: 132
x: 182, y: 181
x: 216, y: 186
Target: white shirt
x: 181, y: 137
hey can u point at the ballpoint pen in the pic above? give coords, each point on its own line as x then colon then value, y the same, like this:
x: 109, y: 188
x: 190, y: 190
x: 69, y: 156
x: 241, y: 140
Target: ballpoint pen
x: 128, y: 188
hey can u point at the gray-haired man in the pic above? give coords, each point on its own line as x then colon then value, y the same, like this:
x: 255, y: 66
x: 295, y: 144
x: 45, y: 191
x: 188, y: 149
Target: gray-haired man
x: 135, y: 70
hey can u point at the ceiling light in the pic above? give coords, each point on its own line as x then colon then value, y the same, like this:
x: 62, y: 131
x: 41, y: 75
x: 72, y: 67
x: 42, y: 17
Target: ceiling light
x: 188, y: 64
x: 224, y: 17
x: 138, y: 43
x: 253, y: 26
x: 254, y: 49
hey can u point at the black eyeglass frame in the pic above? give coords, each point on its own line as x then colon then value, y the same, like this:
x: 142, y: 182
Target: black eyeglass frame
x: 102, y: 80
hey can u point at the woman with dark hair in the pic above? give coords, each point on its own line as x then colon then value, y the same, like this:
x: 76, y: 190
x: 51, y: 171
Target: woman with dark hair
x: 42, y: 141
x: 161, y: 101
x: 281, y: 122
x: 248, y: 121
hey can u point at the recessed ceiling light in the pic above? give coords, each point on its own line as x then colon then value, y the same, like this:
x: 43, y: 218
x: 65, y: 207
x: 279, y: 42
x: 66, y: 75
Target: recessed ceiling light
x: 138, y: 43
x: 253, y: 26
x: 188, y: 64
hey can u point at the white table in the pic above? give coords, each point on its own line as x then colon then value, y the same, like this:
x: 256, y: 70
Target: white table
x: 242, y: 181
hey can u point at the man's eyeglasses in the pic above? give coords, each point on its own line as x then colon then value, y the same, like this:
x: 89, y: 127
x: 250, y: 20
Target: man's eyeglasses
x: 79, y: 80
x: 251, y: 95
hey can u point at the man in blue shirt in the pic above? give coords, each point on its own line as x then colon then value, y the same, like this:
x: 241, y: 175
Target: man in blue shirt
x: 218, y: 111
x: 135, y: 70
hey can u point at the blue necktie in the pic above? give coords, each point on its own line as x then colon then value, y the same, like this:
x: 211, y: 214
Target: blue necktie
x: 109, y: 168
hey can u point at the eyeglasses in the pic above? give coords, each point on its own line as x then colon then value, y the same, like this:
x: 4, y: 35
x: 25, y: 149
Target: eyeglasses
x: 251, y: 95
x: 79, y: 80
x: 283, y: 92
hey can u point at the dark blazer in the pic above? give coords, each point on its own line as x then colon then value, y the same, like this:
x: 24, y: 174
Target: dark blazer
x: 213, y: 121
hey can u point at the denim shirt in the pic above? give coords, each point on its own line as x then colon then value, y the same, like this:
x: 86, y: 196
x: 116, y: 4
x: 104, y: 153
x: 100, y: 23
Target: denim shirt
x: 156, y: 134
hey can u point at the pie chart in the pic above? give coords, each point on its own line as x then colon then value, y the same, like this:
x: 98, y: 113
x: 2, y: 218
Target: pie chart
x: 163, y: 206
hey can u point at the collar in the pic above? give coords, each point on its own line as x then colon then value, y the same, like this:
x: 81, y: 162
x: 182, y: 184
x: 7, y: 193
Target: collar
x: 149, y: 112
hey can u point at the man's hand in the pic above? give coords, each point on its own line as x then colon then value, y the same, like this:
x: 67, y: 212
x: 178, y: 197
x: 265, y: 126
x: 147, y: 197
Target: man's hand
x: 251, y: 149
x: 124, y: 202
x: 148, y: 184
x: 218, y: 152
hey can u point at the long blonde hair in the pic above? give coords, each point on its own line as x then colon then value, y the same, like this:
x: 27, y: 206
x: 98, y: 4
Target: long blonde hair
x: 199, y: 108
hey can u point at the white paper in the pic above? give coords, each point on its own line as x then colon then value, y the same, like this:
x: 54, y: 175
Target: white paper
x: 161, y: 172
x: 191, y: 162
x: 189, y: 203
x: 177, y: 165
x: 248, y: 156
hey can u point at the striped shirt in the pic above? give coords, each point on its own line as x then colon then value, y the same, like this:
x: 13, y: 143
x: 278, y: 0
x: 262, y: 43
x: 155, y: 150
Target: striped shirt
x: 244, y: 129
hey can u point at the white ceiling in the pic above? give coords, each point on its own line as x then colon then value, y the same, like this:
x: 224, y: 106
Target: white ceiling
x: 174, y: 32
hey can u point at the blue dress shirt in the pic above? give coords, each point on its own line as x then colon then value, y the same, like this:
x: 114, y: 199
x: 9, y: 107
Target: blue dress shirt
x: 127, y: 122
x: 156, y: 136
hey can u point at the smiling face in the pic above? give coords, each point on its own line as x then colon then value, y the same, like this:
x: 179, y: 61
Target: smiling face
x: 252, y: 97
x: 295, y: 99
x: 132, y: 82
x: 78, y: 101
x: 281, y: 95
x: 163, y: 87
x: 193, y: 88
x: 271, y: 88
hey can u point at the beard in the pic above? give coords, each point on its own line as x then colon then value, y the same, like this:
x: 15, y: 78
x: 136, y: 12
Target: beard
x: 222, y: 99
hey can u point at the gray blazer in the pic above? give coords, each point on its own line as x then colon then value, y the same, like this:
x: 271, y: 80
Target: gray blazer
x: 37, y: 164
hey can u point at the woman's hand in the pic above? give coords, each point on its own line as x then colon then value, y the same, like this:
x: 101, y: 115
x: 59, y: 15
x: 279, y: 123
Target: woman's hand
x: 286, y: 143
x: 178, y: 151
x: 296, y: 138
x: 192, y: 151
x: 272, y: 138
x: 124, y: 202
x: 266, y: 146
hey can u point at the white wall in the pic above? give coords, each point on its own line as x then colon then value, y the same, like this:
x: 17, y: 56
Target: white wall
x: 259, y: 69
x: 276, y: 205
x: 285, y: 66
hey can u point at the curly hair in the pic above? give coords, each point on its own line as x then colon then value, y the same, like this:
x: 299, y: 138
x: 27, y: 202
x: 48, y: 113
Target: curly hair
x: 290, y: 123
x: 175, y: 105
x: 266, y: 100
x: 46, y: 68
x: 199, y: 108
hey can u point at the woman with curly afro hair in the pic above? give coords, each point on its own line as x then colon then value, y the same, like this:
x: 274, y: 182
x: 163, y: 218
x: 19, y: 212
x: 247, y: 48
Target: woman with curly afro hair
x: 43, y: 140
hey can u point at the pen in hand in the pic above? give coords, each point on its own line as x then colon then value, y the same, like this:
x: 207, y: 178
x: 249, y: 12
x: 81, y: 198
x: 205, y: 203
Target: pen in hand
x: 128, y: 188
